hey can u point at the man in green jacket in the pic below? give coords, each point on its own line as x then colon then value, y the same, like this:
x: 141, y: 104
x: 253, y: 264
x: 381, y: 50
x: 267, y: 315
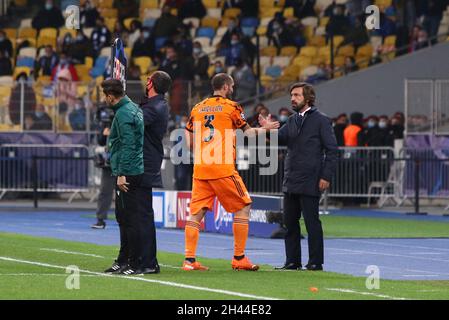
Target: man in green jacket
x: 125, y: 144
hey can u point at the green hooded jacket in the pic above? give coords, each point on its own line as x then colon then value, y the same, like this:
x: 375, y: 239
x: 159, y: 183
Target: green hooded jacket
x: 125, y: 141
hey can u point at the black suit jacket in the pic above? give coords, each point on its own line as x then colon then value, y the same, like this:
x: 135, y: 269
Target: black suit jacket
x: 311, y: 152
x: 155, y: 118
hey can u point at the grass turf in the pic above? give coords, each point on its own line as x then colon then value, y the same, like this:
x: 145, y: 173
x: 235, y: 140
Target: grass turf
x: 27, y: 281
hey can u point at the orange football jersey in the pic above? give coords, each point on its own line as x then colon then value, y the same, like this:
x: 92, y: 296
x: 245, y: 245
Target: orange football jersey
x: 213, y: 122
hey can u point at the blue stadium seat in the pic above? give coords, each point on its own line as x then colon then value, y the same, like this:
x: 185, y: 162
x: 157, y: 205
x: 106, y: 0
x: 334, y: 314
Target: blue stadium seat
x: 248, y: 31
x: 250, y: 22
x: 159, y: 42
x: 99, y: 67
x: 25, y: 62
x: 150, y: 22
x: 206, y: 32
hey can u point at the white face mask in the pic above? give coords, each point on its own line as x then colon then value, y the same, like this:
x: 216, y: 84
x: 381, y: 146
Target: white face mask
x: 183, y: 124
x: 283, y: 118
x: 382, y: 124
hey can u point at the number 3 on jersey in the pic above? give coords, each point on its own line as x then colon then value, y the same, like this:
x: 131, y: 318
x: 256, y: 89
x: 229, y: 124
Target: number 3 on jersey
x: 208, y: 124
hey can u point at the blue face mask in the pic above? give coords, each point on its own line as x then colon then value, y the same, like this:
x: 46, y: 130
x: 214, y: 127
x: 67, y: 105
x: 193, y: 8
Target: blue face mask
x: 39, y: 114
x: 283, y: 118
x: 48, y: 6
x: 218, y: 69
x: 371, y: 124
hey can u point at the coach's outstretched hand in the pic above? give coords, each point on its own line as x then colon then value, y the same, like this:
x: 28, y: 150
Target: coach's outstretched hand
x: 267, y: 123
x: 122, y: 184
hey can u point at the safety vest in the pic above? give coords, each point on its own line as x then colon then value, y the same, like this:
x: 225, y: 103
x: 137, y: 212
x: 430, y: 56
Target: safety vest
x: 350, y: 135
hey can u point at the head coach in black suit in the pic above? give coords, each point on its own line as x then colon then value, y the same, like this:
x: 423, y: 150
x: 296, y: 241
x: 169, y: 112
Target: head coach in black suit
x: 155, y: 117
x: 309, y: 165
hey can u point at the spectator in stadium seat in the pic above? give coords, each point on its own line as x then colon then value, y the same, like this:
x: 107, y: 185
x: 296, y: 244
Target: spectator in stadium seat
x: 64, y: 63
x: 48, y: 17
x: 233, y: 28
x: 249, y: 8
x: 351, y: 133
x: 166, y: 25
x: 77, y: 117
x: 236, y: 51
x: 284, y: 113
x: 338, y: 23
x: 134, y: 32
x: 88, y: 15
x: 100, y: 36
x: 183, y: 43
x: 192, y: 9
x: 275, y: 28
x: 5, y: 45
x: 423, y: 40
x: 45, y: 65
x: 357, y: 35
x: 16, y: 96
x: 245, y: 81
x: 120, y: 31
x: 218, y: 68
x: 303, y: 8
x: 144, y: 46
x: 80, y: 48
x: 42, y: 120
x: 350, y: 65
x: 253, y: 120
x: 200, y: 68
x: 127, y: 8
x: 339, y: 127
x: 5, y: 65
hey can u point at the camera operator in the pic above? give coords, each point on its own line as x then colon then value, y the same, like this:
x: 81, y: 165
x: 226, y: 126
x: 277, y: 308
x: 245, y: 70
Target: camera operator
x: 104, y: 117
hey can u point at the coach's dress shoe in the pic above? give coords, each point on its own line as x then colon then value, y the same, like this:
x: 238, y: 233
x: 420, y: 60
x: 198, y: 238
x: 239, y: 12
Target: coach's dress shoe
x: 131, y: 271
x: 154, y: 270
x: 314, y: 267
x: 289, y: 266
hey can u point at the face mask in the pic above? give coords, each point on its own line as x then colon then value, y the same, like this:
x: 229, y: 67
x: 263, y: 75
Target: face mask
x: 218, y: 69
x: 2, y: 38
x: 146, y: 34
x: 283, y: 118
x: 77, y: 106
x: 39, y: 114
x: 196, y: 50
x: 234, y: 42
x: 79, y: 37
x: 382, y: 124
x: 371, y: 124
x: 48, y: 6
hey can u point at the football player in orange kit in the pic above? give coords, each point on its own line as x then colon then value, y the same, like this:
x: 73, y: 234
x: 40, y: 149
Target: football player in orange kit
x: 210, y: 132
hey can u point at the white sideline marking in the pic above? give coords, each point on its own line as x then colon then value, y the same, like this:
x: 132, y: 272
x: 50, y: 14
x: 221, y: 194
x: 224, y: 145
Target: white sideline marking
x: 365, y: 293
x: 71, y: 252
x: 166, y: 283
x: 398, y: 245
x: 94, y: 255
x: 41, y: 274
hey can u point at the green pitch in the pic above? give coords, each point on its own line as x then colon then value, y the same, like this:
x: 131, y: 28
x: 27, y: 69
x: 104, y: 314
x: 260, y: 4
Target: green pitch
x: 35, y: 268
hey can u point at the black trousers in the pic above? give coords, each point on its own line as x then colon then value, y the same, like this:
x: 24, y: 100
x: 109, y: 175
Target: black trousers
x: 148, y: 229
x: 127, y: 212
x: 294, y: 205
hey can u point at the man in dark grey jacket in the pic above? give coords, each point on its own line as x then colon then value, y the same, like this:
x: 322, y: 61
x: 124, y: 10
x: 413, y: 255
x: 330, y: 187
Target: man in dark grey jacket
x: 309, y: 166
x: 155, y: 117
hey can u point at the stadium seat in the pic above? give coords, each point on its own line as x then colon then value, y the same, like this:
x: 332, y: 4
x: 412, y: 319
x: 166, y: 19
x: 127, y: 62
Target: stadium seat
x: 206, y: 32
x: 346, y: 51
x: 88, y: 32
x: 390, y: 40
x: 149, y: 22
x: 248, y: 31
x: 283, y: 62
x: 25, y: 23
x: 269, y: 12
x: 11, y: 33
x: 214, y: 13
x: 261, y: 30
x: 289, y: 12
x: 310, y: 21
x: 151, y: 13
x: 309, y: 71
x: 49, y: 33
x: 338, y: 40
x: 27, y: 52
x: 232, y: 13
x: 25, y: 62
x: 7, y: 81
x: 249, y: 22
x: 320, y: 31
x: 109, y: 13
x: 212, y: 3
x: 83, y: 72
x: 105, y: 3
x: 317, y: 41
x: 265, y: 21
x: 324, y: 21
x: 288, y: 51
x: 144, y: 64
x: 204, y: 41
x: 27, y: 33
x: 99, y: 67
x: 221, y: 31
x: 269, y: 51
x: 291, y: 72
x: 339, y: 61
x: 19, y: 70
x: 45, y: 41
x: 325, y: 52
x: 210, y: 22
x: 110, y: 23
x: 159, y: 42
x: 308, y: 51
x: 149, y: 4
x: 383, y: 3
x: 365, y: 51
x: 302, y: 61
x: 64, y: 31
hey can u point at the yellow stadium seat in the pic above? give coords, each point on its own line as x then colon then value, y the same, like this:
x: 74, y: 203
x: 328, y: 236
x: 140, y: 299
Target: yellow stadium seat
x: 289, y: 12
x: 89, y: 61
x: 302, y: 61
x: 269, y: 12
x: 45, y: 41
x: 19, y: 70
x: 127, y: 22
x: 144, y: 63
x: 266, y: 4
x: 82, y: 90
x: 110, y: 23
x: 346, y: 51
x: 21, y: 3
x: 5, y: 92
x: 318, y: 60
x: 288, y: 51
x: 64, y: 31
x: 317, y: 41
x: 232, y: 13
x: 213, y: 3
x: 83, y: 72
x: 48, y: 32
x: 292, y: 70
x: 390, y: 40
x: 324, y: 21
x: 149, y: 4
x: 339, y: 61
x: 11, y: 33
x: 109, y: 13
x: 308, y: 51
x: 261, y: 30
x: 128, y: 51
x: 365, y: 51
x: 383, y: 3
x: 324, y: 52
x: 44, y: 79
x: 7, y: 81
x: 309, y: 32
x: 338, y: 40
x: 270, y: 51
x: 210, y: 22
x: 106, y: 3
x: 27, y: 33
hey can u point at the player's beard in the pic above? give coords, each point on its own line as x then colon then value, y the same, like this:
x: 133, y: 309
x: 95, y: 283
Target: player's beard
x: 298, y: 107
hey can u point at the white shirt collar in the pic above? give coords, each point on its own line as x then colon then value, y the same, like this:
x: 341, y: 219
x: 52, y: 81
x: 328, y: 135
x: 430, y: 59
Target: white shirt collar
x: 303, y: 113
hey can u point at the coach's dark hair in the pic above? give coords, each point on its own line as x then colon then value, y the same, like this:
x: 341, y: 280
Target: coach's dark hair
x: 308, y: 92
x: 219, y: 80
x: 113, y: 87
x: 161, y: 82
